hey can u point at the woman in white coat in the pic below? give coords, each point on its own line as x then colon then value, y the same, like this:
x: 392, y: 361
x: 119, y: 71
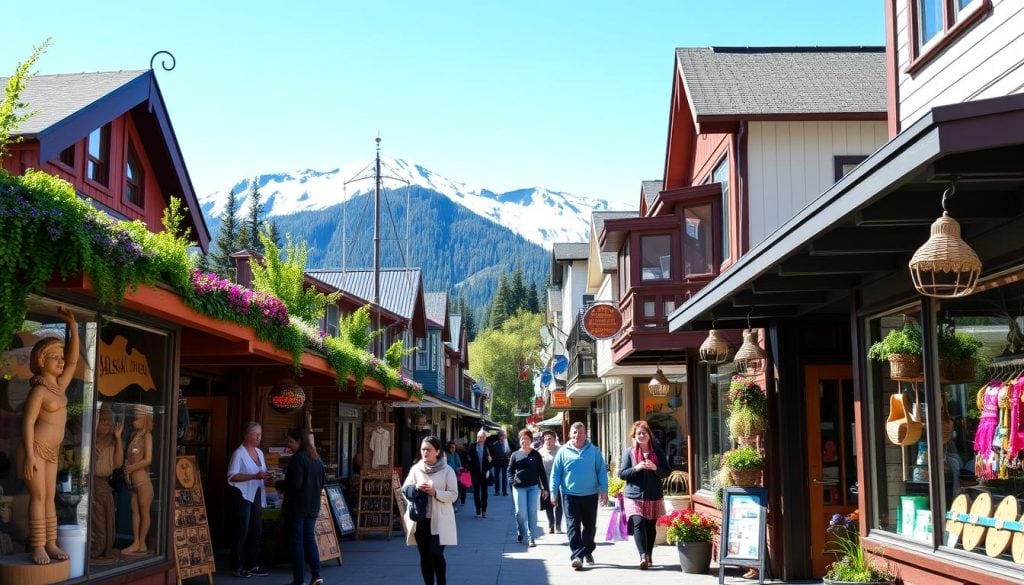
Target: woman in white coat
x: 432, y: 475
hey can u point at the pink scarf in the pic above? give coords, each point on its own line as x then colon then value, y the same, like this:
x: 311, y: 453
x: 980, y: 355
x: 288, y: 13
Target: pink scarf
x: 638, y: 455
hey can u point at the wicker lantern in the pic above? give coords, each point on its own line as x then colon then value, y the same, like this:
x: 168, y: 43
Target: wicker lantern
x: 659, y: 384
x: 750, y: 359
x: 945, y: 267
x: 715, y: 349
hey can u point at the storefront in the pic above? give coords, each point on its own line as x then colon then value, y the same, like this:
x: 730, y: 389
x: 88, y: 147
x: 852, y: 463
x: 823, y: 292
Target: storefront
x: 910, y: 452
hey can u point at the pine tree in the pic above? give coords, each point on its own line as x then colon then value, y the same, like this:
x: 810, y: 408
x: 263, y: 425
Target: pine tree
x: 254, y: 219
x: 517, y: 291
x: 226, y: 240
x: 533, y: 299
x: 500, y: 307
x: 468, y: 319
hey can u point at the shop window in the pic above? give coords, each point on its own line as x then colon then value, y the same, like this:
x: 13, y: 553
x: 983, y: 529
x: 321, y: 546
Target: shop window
x: 698, y: 254
x: 134, y: 192
x: 98, y: 155
x: 118, y: 386
x: 712, y: 429
x: 656, y: 257
x: 668, y: 423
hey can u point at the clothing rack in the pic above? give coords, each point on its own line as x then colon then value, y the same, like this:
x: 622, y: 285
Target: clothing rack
x: 1009, y: 361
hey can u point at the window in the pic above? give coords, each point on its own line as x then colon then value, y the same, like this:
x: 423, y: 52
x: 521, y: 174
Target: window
x: 133, y: 180
x: 330, y: 324
x: 698, y: 254
x: 669, y: 426
x: 435, y: 344
x: 624, y: 270
x: 712, y: 427
x: 842, y: 165
x: 98, y: 160
x: 721, y: 175
x: 588, y: 300
x: 67, y: 156
x: 934, y: 24
x: 656, y: 257
x: 422, y: 359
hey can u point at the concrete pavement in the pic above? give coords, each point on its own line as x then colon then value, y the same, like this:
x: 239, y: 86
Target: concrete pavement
x: 488, y: 554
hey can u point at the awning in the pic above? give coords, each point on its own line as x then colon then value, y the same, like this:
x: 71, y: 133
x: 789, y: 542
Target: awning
x: 435, y: 401
x: 865, y: 227
x: 555, y: 421
x: 483, y: 422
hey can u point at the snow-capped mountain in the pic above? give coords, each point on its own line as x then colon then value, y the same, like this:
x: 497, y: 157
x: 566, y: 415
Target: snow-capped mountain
x: 540, y: 215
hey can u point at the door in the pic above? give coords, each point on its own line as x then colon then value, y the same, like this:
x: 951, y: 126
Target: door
x: 206, y: 438
x: 831, y: 466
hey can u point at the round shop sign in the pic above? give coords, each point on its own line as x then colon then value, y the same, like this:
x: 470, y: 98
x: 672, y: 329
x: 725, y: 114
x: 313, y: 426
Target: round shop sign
x: 602, y: 321
x: 287, y: 396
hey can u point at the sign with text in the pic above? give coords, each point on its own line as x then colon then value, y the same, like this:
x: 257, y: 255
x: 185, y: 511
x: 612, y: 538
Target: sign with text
x: 744, y: 515
x: 120, y: 368
x: 602, y: 321
x: 559, y: 399
x: 193, y: 547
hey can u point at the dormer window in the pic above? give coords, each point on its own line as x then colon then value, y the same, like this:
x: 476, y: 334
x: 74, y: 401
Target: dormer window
x: 133, y: 180
x: 98, y: 159
x: 698, y: 235
x: 656, y: 257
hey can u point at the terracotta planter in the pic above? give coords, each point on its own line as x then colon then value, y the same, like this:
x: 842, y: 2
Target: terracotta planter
x: 745, y: 477
x: 694, y: 557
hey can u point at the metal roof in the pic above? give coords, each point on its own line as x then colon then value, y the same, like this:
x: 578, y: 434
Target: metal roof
x: 398, y: 286
x: 56, y: 97
x: 437, y: 306
x: 736, y: 81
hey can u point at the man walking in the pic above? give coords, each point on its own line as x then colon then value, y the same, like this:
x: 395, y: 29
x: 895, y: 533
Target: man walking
x: 579, y: 476
x: 500, y: 454
x: 478, y: 460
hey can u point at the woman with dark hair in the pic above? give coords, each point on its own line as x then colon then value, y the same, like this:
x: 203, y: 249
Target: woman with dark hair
x: 433, y: 476
x: 303, y: 483
x: 643, y: 467
x: 246, y: 472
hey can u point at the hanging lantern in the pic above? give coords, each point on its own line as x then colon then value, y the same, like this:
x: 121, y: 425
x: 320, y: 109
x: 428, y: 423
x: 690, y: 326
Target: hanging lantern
x: 287, y: 396
x: 750, y: 359
x: 675, y: 402
x: 715, y: 349
x: 945, y: 267
x: 659, y: 384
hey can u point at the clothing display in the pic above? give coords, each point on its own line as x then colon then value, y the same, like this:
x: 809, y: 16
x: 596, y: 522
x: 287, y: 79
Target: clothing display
x: 380, y: 446
x: 999, y: 440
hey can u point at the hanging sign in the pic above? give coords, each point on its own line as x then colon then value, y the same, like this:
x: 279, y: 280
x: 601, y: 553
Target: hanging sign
x: 287, y: 396
x: 559, y: 399
x: 120, y: 368
x: 545, y: 377
x: 744, y: 515
x: 524, y: 372
x: 477, y: 389
x: 560, y: 365
x: 602, y: 321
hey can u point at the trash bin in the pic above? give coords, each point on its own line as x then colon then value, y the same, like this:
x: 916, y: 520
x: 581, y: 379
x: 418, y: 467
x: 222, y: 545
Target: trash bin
x: 71, y: 539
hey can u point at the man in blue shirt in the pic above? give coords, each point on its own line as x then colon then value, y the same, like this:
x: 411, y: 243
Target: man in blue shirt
x: 579, y: 476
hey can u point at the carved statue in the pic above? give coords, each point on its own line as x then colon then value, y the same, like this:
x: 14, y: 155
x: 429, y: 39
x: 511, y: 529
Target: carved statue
x: 46, y: 413
x: 136, y: 471
x: 109, y: 455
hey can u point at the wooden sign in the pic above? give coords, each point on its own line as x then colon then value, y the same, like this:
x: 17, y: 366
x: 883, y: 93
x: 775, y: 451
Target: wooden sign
x: 326, y: 539
x: 120, y: 368
x: 339, y: 509
x: 560, y: 400
x: 744, y: 516
x: 193, y: 550
x: 602, y: 321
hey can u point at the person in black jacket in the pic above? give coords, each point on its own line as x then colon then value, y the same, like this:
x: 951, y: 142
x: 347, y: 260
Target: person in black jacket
x: 526, y: 473
x: 644, y: 465
x: 501, y: 450
x: 303, y: 483
x: 478, y: 460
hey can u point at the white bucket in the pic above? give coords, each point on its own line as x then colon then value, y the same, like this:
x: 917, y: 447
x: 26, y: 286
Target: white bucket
x: 71, y: 539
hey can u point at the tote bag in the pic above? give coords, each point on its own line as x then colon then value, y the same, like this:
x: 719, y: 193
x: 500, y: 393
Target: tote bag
x: 464, y: 478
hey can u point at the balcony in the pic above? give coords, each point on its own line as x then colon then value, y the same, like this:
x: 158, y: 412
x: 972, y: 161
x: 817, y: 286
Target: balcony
x: 582, y: 379
x: 644, y: 337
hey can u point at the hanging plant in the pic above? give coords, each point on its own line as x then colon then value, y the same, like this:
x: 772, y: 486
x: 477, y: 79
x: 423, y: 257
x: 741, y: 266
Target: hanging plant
x: 902, y: 348
x: 748, y: 408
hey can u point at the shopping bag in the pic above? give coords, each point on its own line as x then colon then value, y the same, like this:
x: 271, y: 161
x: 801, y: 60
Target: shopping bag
x: 617, y: 529
x: 464, y: 478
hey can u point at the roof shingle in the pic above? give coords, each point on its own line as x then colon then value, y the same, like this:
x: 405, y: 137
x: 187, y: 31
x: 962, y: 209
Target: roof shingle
x: 650, y: 190
x: 56, y: 97
x: 573, y: 251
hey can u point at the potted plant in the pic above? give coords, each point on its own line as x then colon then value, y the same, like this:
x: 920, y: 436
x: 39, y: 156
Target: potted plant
x: 675, y: 491
x: 958, y: 353
x: 852, y: 564
x: 744, y: 465
x: 902, y: 348
x: 615, y: 486
x: 691, y: 532
x: 748, y: 409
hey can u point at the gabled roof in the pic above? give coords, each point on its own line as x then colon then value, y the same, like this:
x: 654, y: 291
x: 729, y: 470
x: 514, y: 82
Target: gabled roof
x: 609, y: 260
x: 436, y: 304
x: 730, y: 82
x: 455, y: 331
x: 650, y: 190
x: 69, y: 106
x: 400, y: 290
x: 574, y: 251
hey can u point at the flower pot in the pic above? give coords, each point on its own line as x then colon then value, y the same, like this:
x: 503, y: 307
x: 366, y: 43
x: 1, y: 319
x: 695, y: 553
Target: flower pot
x: 745, y: 477
x: 903, y: 366
x: 694, y: 557
x: 828, y: 581
x: 673, y: 503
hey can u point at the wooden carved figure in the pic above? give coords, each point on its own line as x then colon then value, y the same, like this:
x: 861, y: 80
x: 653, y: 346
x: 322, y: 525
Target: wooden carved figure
x: 136, y: 471
x: 109, y: 455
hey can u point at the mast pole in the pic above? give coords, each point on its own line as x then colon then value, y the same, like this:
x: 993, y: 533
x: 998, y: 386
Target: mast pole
x: 376, y: 237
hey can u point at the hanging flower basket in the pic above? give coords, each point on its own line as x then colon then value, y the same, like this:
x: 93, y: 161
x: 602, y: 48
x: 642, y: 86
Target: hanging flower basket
x: 957, y: 370
x: 745, y: 477
x: 904, y: 366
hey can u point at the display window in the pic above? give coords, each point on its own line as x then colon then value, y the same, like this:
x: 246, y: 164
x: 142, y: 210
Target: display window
x: 712, y: 420
x: 82, y: 451
x: 958, y: 491
x: 667, y: 416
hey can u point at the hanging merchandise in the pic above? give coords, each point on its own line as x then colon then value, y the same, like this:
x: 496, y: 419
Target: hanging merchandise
x: 546, y: 377
x: 524, y: 372
x: 901, y: 427
x: 560, y: 365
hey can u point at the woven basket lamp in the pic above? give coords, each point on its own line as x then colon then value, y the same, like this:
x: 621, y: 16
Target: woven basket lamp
x: 750, y: 358
x: 945, y: 267
x: 659, y: 384
x: 715, y: 349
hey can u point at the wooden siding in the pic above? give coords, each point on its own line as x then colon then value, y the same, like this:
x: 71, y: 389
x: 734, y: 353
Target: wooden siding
x: 791, y: 163
x: 708, y: 151
x: 986, y: 61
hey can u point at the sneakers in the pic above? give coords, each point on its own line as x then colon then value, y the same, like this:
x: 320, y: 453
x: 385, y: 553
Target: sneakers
x: 590, y: 559
x: 533, y: 542
x: 577, y: 564
x: 317, y: 581
x: 241, y: 573
x: 644, y: 563
x: 551, y: 528
x: 484, y: 514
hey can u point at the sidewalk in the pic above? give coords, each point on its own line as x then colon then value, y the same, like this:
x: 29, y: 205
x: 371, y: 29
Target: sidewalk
x: 488, y: 554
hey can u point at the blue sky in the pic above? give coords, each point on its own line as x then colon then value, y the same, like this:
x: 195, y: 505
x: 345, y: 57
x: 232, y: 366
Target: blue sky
x: 568, y: 95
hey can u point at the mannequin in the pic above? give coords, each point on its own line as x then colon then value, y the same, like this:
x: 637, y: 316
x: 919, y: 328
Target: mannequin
x: 109, y: 455
x: 136, y: 471
x: 46, y: 414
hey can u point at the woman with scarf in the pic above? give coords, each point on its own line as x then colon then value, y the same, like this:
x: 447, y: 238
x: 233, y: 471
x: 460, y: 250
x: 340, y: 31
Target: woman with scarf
x: 433, y: 476
x: 643, y: 467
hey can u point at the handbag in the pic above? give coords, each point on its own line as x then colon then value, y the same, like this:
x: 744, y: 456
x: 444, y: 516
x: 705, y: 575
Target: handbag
x: 617, y: 522
x: 417, y: 503
x: 465, y: 480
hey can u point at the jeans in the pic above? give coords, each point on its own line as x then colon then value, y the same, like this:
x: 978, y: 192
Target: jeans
x: 580, y: 524
x: 303, y: 544
x: 526, y: 500
x: 500, y: 471
x: 644, y: 531
x: 432, y: 563
x: 245, y: 546
x: 480, y: 493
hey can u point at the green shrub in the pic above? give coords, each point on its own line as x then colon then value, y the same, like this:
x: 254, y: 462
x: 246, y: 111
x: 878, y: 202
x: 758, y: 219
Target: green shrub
x: 744, y: 458
x: 906, y: 340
